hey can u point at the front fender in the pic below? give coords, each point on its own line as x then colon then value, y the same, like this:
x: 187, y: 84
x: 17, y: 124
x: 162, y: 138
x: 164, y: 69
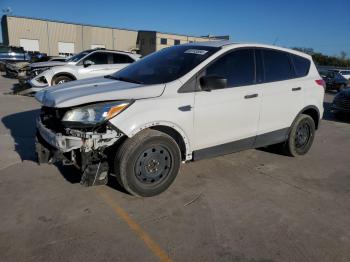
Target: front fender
x: 136, y: 129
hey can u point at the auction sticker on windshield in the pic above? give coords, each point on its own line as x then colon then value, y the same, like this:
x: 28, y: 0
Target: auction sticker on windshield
x: 196, y: 51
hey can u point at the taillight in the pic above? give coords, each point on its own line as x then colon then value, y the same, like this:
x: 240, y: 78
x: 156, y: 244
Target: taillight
x: 321, y: 82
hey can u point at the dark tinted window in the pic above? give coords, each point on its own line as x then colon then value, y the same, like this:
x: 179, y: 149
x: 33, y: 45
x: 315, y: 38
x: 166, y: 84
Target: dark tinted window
x: 165, y: 65
x: 237, y: 67
x: 277, y: 66
x: 301, y: 65
x: 163, y: 41
x: 98, y: 58
x: 176, y: 42
x: 122, y: 59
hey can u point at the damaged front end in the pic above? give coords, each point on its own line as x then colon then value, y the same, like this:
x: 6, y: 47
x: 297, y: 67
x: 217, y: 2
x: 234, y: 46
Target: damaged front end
x: 82, y: 145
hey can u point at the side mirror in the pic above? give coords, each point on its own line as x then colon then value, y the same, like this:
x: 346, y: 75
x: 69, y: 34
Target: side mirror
x: 212, y: 82
x: 88, y: 63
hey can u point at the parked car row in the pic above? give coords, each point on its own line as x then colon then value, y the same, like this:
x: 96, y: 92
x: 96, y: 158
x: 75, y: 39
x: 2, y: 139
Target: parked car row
x: 87, y: 64
x: 38, y: 71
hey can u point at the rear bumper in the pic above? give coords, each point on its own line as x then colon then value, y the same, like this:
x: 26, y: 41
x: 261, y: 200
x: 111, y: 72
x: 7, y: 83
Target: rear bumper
x: 340, y: 109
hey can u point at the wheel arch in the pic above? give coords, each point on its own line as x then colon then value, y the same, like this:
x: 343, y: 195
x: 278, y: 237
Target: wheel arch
x: 313, y: 112
x: 70, y: 75
x: 173, y: 131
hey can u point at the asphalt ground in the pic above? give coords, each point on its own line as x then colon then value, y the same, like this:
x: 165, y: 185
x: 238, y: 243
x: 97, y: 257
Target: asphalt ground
x: 255, y: 205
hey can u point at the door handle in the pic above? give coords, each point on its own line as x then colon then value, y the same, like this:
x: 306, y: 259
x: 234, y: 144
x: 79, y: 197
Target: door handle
x: 185, y: 108
x: 296, y: 89
x: 251, y: 96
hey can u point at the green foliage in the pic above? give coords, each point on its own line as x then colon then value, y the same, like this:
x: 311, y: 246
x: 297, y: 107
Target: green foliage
x: 325, y: 60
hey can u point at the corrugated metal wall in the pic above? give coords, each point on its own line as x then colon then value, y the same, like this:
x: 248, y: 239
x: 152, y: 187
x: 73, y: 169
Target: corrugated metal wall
x: 49, y: 33
x: 29, y: 29
x: 124, y: 39
x: 60, y: 32
x: 97, y: 36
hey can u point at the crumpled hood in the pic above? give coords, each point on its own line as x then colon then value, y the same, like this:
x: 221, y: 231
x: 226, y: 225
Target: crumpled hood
x: 47, y: 64
x: 96, y: 89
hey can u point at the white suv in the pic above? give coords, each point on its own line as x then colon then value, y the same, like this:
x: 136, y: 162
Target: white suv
x: 87, y: 64
x: 183, y: 103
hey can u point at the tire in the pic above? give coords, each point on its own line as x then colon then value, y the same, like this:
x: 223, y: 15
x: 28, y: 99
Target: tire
x: 61, y: 79
x: 301, y: 136
x: 148, y: 163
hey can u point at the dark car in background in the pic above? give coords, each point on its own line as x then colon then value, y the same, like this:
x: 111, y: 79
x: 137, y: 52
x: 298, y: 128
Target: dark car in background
x: 11, y: 54
x: 336, y: 79
x: 341, y: 102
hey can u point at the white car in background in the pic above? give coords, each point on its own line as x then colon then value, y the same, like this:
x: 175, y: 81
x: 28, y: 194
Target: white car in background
x: 87, y: 64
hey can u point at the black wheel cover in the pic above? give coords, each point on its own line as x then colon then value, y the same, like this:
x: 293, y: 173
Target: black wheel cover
x: 153, y: 165
x: 303, y: 134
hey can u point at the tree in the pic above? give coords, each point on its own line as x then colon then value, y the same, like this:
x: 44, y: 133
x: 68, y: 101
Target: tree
x: 342, y: 55
x: 325, y: 60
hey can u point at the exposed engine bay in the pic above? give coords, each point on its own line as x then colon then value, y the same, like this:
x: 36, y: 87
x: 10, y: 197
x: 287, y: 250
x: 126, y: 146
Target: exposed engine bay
x: 83, y: 146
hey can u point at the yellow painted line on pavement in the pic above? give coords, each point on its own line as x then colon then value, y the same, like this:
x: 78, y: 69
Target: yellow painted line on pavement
x: 121, y: 213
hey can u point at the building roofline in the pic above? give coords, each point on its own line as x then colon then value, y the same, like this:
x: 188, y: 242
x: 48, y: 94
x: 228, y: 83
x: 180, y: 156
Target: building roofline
x: 107, y: 27
x: 70, y: 23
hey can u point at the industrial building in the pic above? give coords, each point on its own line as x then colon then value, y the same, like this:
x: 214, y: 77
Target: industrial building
x: 62, y: 38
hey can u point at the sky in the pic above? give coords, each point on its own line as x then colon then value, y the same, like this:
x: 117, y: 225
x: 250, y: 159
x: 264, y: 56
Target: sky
x: 322, y: 25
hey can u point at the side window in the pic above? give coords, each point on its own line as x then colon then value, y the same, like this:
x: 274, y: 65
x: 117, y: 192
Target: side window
x: 301, y: 65
x: 277, y: 66
x: 163, y: 41
x: 98, y: 58
x: 237, y: 67
x: 122, y: 59
x: 176, y: 42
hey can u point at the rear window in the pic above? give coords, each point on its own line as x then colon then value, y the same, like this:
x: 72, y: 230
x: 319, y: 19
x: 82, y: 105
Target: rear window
x: 301, y: 64
x: 277, y: 66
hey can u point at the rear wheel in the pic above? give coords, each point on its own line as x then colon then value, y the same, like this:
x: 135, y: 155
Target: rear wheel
x: 147, y: 163
x: 61, y: 79
x: 301, y: 136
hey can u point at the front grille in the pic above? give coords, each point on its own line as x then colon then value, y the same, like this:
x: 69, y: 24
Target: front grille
x: 51, y: 118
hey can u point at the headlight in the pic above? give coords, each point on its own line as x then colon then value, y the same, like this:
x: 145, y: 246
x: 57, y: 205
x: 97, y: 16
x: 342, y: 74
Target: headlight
x: 38, y: 71
x: 96, y: 113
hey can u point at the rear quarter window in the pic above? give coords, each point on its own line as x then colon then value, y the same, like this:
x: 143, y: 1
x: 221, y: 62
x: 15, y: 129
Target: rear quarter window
x: 301, y: 65
x: 277, y: 66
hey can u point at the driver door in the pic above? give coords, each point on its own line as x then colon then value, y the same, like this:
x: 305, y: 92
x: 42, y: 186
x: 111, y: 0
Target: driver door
x: 226, y: 120
x: 98, y: 67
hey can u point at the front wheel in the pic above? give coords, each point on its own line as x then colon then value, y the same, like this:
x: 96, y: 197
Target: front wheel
x: 301, y: 136
x: 147, y: 163
x: 61, y: 79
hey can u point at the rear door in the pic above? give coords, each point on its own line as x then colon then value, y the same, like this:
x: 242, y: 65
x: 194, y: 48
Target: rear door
x: 225, y: 120
x: 282, y: 96
x: 119, y: 61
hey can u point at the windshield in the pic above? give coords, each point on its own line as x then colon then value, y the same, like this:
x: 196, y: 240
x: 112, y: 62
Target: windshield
x: 166, y: 65
x: 77, y: 57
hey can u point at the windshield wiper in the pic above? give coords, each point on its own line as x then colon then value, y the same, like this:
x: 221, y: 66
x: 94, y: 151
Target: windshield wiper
x: 124, y: 79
